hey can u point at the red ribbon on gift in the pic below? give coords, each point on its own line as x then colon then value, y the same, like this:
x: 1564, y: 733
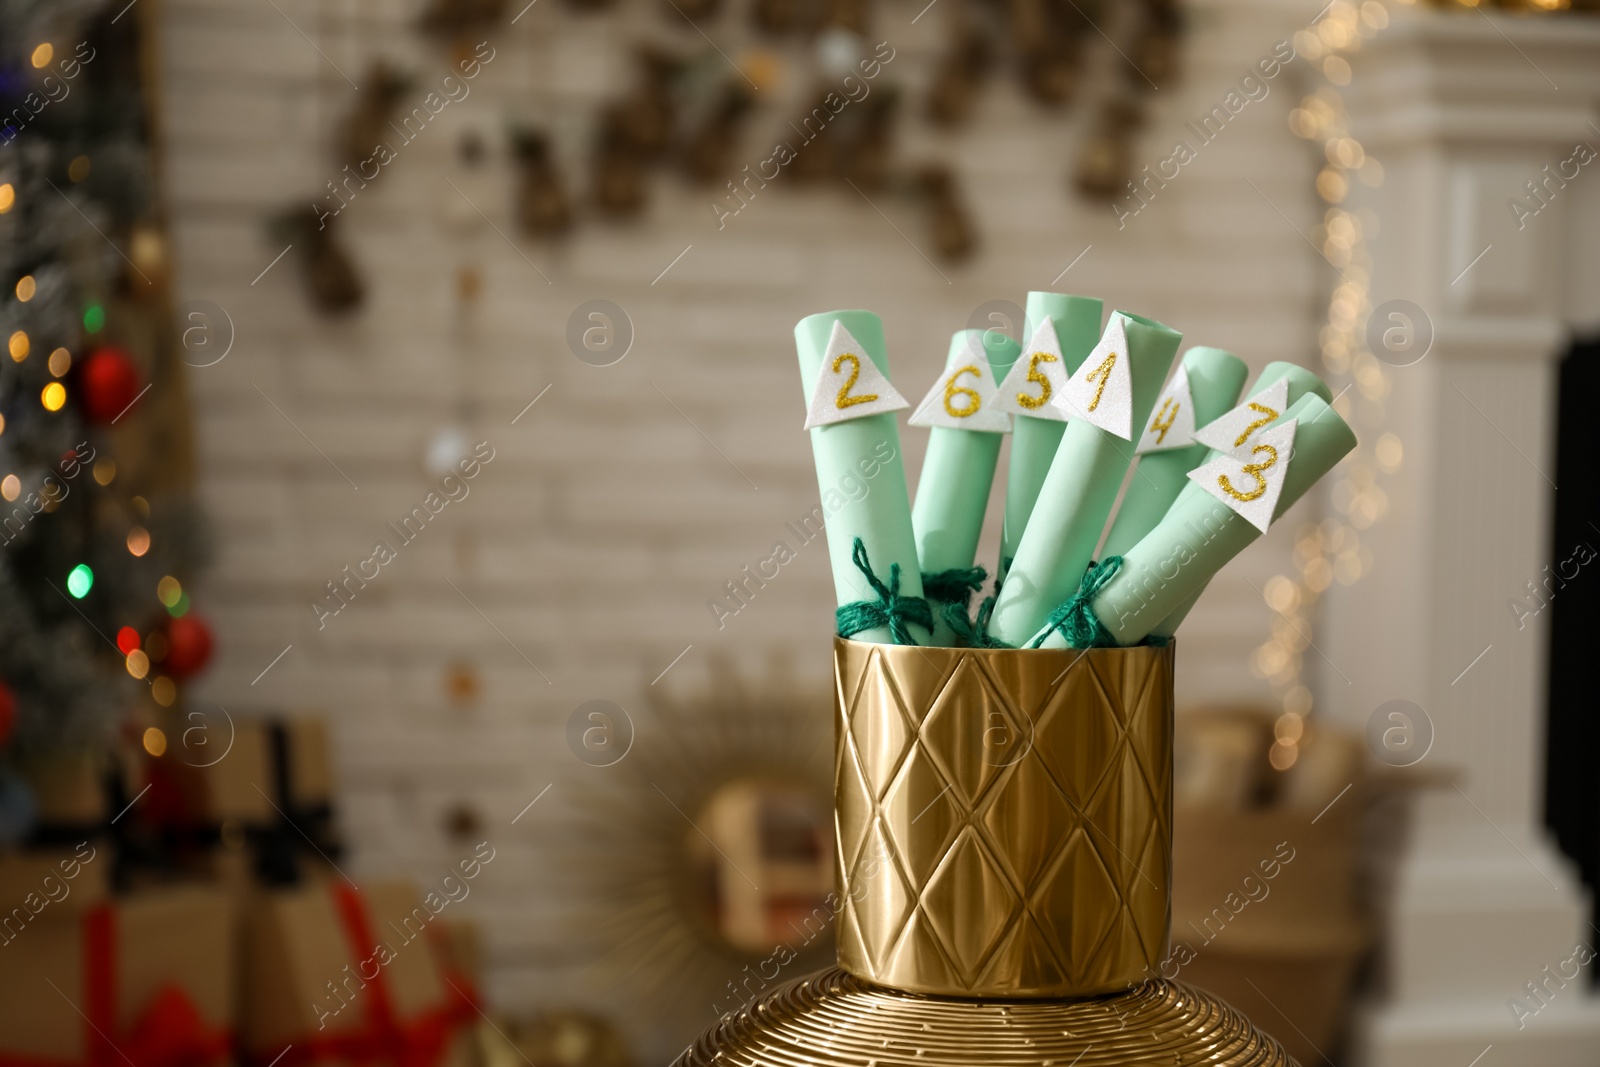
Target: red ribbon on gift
x: 418, y: 1042
x: 170, y: 1032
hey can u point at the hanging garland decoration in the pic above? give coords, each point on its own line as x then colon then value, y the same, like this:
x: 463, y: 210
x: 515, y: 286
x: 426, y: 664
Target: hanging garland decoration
x: 686, y: 113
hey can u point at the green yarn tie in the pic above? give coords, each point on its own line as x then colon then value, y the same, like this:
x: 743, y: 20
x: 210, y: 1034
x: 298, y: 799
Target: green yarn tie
x: 954, y: 586
x: 891, y: 609
x: 973, y: 633
x: 1075, y: 619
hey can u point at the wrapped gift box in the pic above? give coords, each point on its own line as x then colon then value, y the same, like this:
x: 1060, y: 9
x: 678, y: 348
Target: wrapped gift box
x: 153, y: 974
x: 39, y: 881
x: 335, y: 973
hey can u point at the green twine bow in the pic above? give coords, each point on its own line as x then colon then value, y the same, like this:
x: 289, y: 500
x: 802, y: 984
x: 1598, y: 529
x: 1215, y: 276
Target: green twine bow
x: 954, y: 586
x: 973, y: 633
x: 1075, y: 619
x: 891, y: 609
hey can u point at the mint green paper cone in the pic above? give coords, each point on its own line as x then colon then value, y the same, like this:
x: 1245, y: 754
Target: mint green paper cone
x: 1301, y: 383
x: 855, y: 452
x: 1215, y: 381
x: 1173, y: 562
x: 1034, y: 441
x: 958, y: 471
x: 1078, y: 493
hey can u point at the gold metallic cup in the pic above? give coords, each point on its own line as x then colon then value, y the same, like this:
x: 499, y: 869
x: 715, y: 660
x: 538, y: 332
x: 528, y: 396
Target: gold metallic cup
x: 1004, y: 818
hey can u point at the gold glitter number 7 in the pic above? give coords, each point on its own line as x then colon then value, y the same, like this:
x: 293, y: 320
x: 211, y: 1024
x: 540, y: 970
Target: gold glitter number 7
x: 1254, y: 470
x: 845, y: 400
x: 1267, y: 415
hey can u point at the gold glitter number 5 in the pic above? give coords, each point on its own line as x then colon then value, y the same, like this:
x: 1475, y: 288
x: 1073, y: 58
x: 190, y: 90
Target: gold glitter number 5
x: 845, y: 399
x: 1254, y: 470
x: 1034, y: 402
x: 951, y: 391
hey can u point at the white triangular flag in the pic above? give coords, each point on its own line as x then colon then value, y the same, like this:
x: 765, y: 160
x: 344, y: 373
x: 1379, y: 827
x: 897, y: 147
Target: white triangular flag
x: 1172, y: 424
x: 964, y: 399
x: 850, y: 385
x: 1036, y: 378
x: 1250, y: 479
x: 1235, y: 429
x: 1101, y: 392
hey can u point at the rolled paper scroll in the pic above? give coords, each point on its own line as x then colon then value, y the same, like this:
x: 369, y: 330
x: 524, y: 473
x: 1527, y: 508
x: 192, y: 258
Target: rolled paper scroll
x: 1028, y: 393
x: 1297, y: 382
x: 1113, y: 393
x: 860, y: 474
x: 1173, y: 562
x: 1206, y: 384
x: 963, y: 448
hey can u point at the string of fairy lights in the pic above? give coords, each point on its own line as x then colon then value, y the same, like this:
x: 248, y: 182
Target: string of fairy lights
x: 106, y: 386
x: 1332, y: 550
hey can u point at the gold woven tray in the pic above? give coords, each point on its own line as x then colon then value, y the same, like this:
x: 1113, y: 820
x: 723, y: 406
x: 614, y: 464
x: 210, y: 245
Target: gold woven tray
x: 833, y: 1019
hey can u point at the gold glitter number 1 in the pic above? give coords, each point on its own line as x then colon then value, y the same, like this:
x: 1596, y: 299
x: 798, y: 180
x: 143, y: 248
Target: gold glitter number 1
x: 845, y: 400
x: 1254, y: 470
x: 1103, y: 372
x: 1169, y: 411
x: 951, y: 391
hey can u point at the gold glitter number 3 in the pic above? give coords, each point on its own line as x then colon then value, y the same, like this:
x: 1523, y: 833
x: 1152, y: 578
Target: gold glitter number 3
x: 1035, y: 402
x: 951, y: 391
x: 845, y: 399
x: 1102, y: 372
x: 1254, y: 470
x: 1267, y: 415
x: 1169, y: 412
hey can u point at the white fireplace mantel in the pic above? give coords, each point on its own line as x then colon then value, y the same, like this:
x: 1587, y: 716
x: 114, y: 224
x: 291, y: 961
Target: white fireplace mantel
x: 1462, y: 109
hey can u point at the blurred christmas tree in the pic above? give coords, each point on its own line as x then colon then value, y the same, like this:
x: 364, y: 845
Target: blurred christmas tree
x: 98, y: 536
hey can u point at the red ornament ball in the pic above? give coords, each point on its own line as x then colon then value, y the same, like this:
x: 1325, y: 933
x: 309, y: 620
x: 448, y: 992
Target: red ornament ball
x: 188, y: 646
x: 108, y: 383
x: 8, y: 713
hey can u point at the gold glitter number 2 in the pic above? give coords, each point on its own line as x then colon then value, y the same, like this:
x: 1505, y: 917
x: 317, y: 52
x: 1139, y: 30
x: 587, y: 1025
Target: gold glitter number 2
x: 951, y: 391
x: 845, y: 399
x: 1267, y: 415
x: 1254, y: 470
x: 1033, y: 403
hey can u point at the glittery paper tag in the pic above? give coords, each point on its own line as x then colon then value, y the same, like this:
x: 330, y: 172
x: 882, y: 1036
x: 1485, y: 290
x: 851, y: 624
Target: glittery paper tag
x: 1172, y: 425
x: 1101, y: 392
x: 1250, y: 478
x: 850, y: 385
x: 1237, y: 427
x: 1036, y: 380
x: 964, y: 398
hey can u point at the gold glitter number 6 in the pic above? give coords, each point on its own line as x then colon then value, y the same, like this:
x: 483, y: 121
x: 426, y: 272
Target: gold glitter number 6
x: 1169, y: 411
x: 845, y: 399
x: 951, y: 391
x: 1034, y: 402
x: 1254, y: 470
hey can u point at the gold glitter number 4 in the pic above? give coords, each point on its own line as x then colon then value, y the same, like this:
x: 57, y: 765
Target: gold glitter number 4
x: 845, y: 399
x: 1034, y: 402
x: 1169, y: 412
x: 1254, y: 470
x: 1102, y: 372
x: 951, y: 391
x: 1267, y: 415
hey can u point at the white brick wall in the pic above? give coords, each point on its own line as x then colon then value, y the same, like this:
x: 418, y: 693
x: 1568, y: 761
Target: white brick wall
x: 605, y: 521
